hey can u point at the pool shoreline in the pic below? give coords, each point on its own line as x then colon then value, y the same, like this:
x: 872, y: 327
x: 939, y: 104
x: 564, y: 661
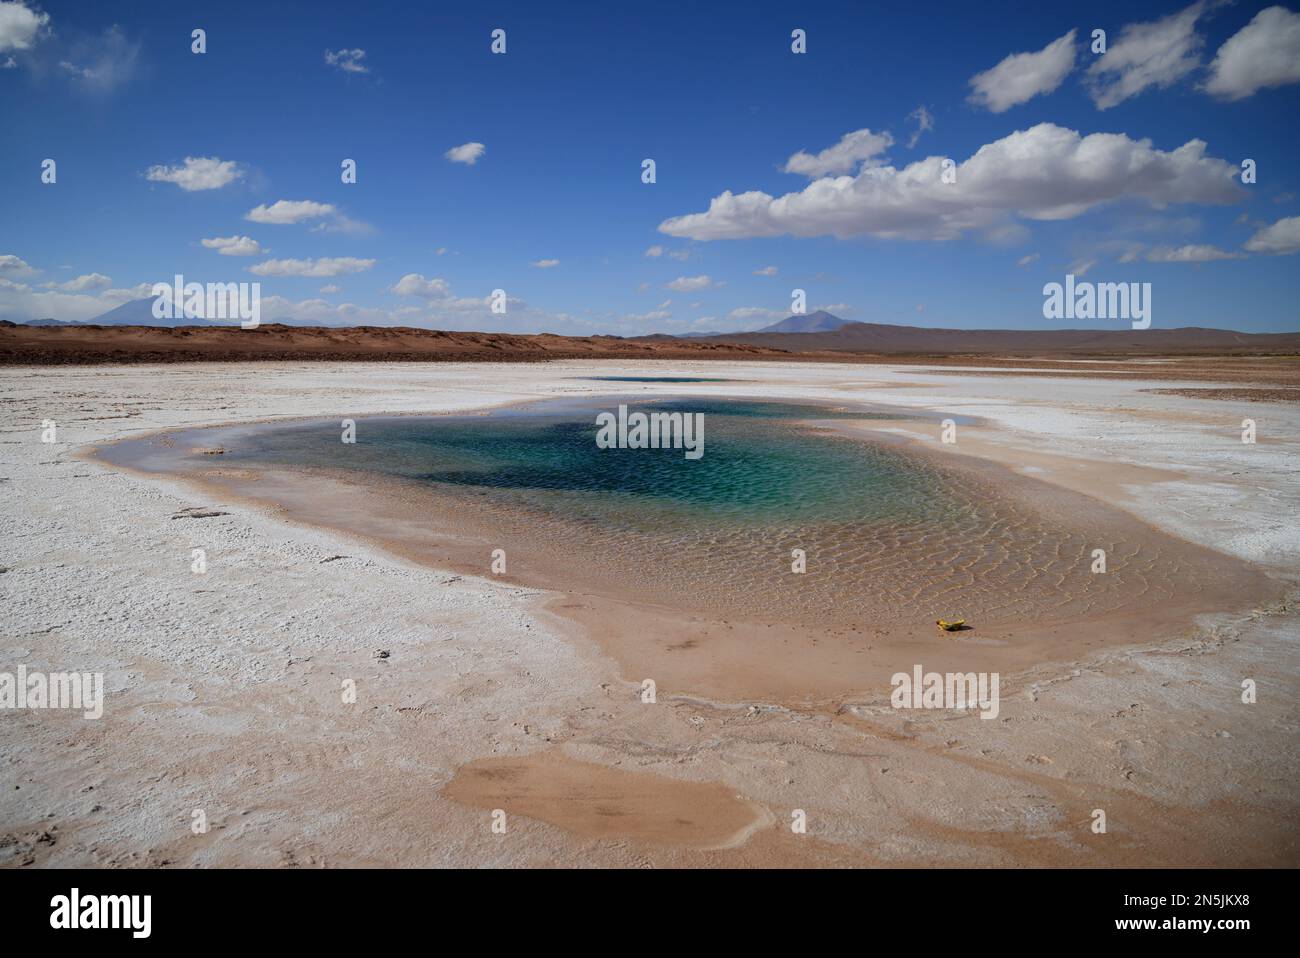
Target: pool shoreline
x: 804, y: 664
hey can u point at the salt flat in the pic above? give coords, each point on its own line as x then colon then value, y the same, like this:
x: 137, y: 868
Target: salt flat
x: 224, y: 689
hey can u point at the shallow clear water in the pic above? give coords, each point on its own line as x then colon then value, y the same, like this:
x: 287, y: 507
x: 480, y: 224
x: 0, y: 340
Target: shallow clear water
x: 889, y: 536
x: 656, y: 379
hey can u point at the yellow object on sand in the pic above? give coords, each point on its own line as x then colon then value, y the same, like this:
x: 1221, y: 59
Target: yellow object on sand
x: 950, y: 625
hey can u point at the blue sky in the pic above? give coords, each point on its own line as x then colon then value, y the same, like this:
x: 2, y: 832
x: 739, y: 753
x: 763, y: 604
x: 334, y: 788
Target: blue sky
x: 159, y: 149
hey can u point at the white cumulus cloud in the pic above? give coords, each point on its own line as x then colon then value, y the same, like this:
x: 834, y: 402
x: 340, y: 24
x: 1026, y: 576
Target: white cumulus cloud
x: 83, y: 284
x: 467, y: 153
x: 139, y: 291
x: 289, y: 211
x: 19, y: 25
x: 1264, y: 53
x: 1281, y: 238
x: 414, y: 284
x: 14, y: 265
x: 1044, y: 173
x: 197, y: 173
x: 234, y: 245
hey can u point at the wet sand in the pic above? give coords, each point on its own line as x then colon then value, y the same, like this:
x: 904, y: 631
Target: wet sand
x: 597, y: 801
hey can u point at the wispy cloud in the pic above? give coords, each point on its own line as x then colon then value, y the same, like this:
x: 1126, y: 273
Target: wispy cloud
x: 344, y: 224
x: 854, y: 149
x: 685, y: 284
x: 326, y: 266
x: 1155, y: 54
x: 349, y: 61
x: 1192, y: 253
x: 924, y: 121
x: 1023, y: 76
x: 101, y: 65
x: 681, y: 255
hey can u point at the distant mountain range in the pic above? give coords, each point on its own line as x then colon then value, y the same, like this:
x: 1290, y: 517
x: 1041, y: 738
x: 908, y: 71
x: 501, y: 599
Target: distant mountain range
x: 824, y: 332
x: 818, y: 322
x: 22, y: 344
x: 139, y: 312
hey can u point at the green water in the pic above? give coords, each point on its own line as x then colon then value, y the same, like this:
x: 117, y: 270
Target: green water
x: 656, y: 379
x: 757, y: 465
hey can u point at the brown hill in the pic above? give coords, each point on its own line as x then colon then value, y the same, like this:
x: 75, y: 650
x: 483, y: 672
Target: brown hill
x: 1269, y: 362
x: 84, y: 343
